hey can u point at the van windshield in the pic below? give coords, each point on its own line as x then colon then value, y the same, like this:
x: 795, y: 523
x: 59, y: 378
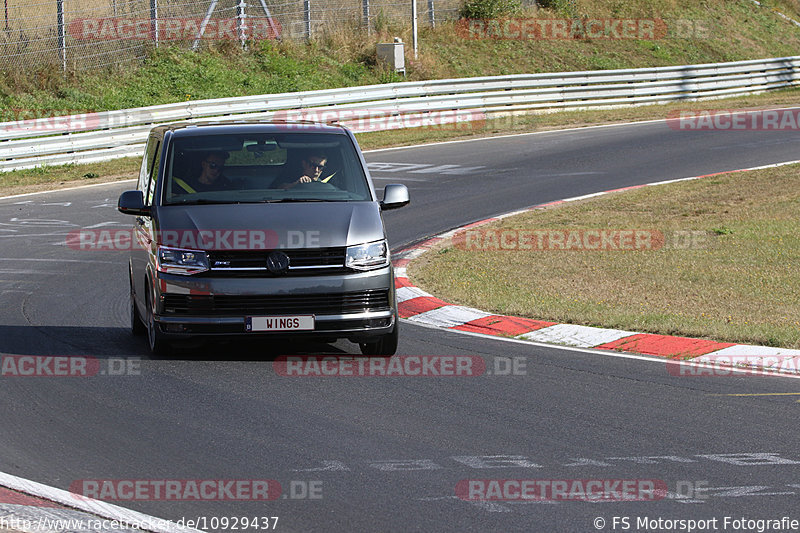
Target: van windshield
x: 269, y: 167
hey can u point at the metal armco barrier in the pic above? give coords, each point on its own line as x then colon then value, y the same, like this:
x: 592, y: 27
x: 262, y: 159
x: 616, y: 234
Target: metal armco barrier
x: 111, y: 134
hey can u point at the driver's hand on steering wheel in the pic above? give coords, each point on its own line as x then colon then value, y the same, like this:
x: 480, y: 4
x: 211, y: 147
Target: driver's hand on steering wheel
x: 302, y: 179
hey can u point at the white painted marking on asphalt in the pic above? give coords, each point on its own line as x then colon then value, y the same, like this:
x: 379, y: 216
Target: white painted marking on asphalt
x: 651, y: 460
x: 377, y: 166
x: 573, y: 335
x: 745, y: 490
x: 750, y: 459
x: 399, y: 178
x: 567, y: 174
x: 327, y: 466
x: 39, y: 222
x: 23, y: 195
x: 109, y: 223
x: 434, y: 169
x: 404, y: 465
x: 449, y: 316
x: 495, y: 461
x: 582, y: 461
x: 546, y: 132
x: 56, y: 260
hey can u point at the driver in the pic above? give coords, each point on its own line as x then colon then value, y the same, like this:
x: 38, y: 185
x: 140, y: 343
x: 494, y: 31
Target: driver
x: 311, y: 168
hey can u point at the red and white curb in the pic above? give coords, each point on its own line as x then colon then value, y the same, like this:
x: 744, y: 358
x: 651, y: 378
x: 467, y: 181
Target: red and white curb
x: 31, y: 507
x: 418, y: 306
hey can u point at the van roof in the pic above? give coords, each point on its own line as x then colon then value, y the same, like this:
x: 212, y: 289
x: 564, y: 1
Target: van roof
x: 247, y: 126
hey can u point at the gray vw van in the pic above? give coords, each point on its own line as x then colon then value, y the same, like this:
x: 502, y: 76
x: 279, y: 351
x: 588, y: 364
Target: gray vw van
x: 269, y: 229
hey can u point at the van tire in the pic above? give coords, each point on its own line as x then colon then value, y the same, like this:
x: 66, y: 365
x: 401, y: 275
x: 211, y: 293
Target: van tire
x: 386, y: 345
x: 155, y: 339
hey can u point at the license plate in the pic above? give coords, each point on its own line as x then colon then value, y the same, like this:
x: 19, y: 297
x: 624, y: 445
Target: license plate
x: 280, y: 323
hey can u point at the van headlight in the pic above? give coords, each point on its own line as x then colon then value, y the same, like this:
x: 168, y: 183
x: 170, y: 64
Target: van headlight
x: 180, y: 261
x: 367, y: 256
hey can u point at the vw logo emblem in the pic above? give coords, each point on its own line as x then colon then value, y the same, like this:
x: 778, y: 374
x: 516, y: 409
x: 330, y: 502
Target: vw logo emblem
x: 278, y: 263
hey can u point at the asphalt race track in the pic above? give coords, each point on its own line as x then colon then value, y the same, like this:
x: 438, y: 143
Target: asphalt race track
x: 386, y: 454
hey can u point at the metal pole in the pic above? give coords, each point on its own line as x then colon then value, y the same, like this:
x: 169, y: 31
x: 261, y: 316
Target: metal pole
x: 203, y: 25
x: 62, y: 43
x: 270, y: 20
x: 154, y: 20
x: 241, y: 23
x: 414, y: 25
x: 307, y: 17
x: 431, y: 14
x: 6, y: 6
x: 365, y: 14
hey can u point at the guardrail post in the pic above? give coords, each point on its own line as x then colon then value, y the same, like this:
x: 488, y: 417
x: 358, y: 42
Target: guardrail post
x: 307, y: 17
x: 154, y: 20
x: 414, y: 26
x: 62, y: 42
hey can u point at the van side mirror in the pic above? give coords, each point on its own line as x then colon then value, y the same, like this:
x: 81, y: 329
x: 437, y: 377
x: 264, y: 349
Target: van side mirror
x: 132, y: 203
x: 395, y: 195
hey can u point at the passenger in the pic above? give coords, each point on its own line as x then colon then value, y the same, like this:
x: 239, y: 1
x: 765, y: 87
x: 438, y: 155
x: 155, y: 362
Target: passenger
x: 209, y: 178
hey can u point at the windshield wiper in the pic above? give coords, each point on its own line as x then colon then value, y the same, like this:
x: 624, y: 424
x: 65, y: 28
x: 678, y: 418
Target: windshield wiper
x: 302, y: 200
x: 201, y: 201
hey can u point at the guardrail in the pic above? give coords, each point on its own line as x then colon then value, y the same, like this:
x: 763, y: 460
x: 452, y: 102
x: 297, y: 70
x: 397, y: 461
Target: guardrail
x: 111, y: 134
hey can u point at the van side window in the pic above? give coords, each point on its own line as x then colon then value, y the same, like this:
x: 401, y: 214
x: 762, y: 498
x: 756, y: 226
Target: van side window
x: 151, y: 188
x: 144, y: 171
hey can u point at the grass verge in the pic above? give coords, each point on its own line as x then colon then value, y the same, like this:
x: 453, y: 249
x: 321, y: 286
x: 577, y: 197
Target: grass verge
x: 725, y: 270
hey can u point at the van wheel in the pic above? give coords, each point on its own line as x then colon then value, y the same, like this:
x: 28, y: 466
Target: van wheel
x: 385, y: 345
x: 155, y: 339
x: 137, y: 326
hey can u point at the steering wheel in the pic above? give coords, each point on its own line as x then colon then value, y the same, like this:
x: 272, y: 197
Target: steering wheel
x: 317, y: 186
